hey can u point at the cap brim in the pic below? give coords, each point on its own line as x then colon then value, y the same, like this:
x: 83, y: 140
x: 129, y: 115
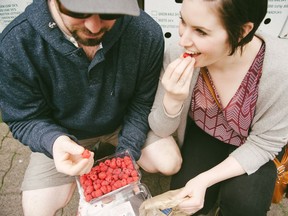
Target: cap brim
x: 129, y: 7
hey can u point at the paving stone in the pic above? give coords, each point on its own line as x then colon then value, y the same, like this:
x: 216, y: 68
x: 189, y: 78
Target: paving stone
x: 4, y: 130
x: 10, y: 205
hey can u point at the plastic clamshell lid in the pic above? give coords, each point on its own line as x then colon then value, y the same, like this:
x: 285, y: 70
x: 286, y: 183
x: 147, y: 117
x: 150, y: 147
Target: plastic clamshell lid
x: 110, y: 196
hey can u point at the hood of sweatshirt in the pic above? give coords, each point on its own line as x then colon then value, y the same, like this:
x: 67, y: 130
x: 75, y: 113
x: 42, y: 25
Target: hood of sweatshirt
x: 40, y: 18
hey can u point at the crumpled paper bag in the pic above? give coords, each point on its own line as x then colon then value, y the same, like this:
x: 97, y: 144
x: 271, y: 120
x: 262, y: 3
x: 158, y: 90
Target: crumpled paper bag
x: 154, y: 205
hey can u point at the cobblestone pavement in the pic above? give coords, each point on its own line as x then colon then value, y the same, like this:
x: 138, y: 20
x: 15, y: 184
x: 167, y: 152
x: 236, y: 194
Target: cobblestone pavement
x: 14, y: 158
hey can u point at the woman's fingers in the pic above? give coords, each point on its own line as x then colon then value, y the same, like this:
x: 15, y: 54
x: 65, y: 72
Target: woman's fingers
x: 178, y: 71
x: 170, y: 69
x: 185, y: 78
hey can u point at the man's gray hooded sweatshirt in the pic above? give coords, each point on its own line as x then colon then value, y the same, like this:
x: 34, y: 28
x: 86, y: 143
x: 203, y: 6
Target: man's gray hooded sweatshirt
x: 48, y: 87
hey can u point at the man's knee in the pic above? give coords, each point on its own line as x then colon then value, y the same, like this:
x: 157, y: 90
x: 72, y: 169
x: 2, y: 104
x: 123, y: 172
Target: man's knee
x: 46, y: 201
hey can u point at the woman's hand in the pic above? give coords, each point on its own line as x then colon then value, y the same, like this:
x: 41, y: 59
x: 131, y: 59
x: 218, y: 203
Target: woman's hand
x: 193, y: 194
x: 195, y: 189
x: 176, y: 81
x: 68, y: 157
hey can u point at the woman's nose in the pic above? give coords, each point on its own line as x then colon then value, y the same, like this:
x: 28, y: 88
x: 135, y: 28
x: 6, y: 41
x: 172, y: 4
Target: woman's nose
x: 185, y: 38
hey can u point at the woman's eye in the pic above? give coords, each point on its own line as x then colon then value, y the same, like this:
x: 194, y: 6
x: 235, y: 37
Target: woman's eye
x: 200, y: 32
x: 181, y: 20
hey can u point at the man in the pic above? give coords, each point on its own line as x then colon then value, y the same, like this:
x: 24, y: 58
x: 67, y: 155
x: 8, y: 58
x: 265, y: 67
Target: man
x: 72, y: 74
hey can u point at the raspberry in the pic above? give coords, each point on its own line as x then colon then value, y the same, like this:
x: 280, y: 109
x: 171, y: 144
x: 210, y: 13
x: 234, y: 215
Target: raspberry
x: 102, y: 175
x: 94, y: 194
x: 107, y: 162
x: 104, y: 189
x: 130, y: 166
x: 124, y: 182
x: 83, y: 178
x: 118, y: 184
x: 186, y: 55
x: 88, y: 182
x: 103, y: 168
x: 89, y: 189
x: 135, y: 178
x: 88, y: 198
x: 115, y: 177
x: 127, y: 158
x: 97, y: 186
x: 99, y: 193
x: 96, y: 168
x: 123, y: 165
x: 134, y: 173
x: 117, y: 171
x: 130, y: 179
x: 109, y: 188
x: 104, y: 183
x: 118, y: 162
x: 127, y: 171
x: 113, y: 164
x: 108, y: 176
x: 109, y: 170
x: 127, y: 162
x: 86, y: 153
x: 93, y: 177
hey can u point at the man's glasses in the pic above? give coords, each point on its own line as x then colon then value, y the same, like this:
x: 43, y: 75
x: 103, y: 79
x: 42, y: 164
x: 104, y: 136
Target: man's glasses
x: 86, y: 15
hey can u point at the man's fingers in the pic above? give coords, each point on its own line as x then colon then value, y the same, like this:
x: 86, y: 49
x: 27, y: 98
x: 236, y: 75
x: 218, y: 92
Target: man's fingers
x: 75, y: 167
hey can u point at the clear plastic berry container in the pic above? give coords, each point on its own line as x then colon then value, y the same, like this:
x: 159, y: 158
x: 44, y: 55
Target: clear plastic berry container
x: 113, y: 183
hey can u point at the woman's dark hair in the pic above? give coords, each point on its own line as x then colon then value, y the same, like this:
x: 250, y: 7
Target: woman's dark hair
x: 235, y: 13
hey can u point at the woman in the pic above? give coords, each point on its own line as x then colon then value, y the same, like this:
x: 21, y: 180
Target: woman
x: 228, y: 140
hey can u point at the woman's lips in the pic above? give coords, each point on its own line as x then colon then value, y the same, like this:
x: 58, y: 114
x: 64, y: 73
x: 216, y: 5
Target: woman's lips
x: 192, y: 55
x: 187, y: 54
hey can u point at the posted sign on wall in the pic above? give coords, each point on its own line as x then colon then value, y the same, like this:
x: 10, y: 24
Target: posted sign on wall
x: 9, y: 9
x: 275, y: 21
x: 166, y: 13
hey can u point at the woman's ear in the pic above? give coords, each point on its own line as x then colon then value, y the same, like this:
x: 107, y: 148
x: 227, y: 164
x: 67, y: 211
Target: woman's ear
x: 246, y: 28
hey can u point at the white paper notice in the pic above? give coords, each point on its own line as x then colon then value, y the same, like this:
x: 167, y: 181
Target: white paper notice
x: 9, y: 9
x: 275, y: 21
x: 166, y: 13
x: 124, y: 209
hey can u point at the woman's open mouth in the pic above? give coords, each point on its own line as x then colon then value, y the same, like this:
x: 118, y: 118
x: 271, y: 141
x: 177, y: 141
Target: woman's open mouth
x: 191, y: 54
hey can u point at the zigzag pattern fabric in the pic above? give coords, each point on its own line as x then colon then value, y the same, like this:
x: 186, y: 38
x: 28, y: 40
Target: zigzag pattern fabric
x: 230, y: 124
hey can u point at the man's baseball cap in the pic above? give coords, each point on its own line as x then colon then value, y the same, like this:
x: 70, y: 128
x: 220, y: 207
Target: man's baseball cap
x: 129, y: 7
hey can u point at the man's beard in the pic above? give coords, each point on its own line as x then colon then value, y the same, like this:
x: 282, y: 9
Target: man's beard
x: 89, y: 42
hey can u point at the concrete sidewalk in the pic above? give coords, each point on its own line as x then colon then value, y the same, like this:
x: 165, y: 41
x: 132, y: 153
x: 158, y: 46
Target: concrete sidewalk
x: 14, y: 158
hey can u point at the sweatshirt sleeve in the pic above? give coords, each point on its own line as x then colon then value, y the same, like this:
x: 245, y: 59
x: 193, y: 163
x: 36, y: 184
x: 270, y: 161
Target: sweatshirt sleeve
x: 268, y: 135
x: 135, y: 126
x: 160, y: 122
x: 269, y: 131
x: 25, y: 110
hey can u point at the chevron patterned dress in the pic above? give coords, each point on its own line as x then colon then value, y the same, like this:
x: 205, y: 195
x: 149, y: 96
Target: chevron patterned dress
x: 232, y: 123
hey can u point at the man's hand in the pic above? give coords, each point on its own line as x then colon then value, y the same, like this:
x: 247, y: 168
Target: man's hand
x: 68, y: 157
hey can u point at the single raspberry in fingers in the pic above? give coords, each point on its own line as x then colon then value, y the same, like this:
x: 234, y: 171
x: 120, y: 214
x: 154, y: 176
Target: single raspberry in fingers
x: 86, y: 153
x: 187, y: 54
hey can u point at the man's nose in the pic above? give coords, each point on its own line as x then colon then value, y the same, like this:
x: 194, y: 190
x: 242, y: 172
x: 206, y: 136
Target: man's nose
x: 93, y: 23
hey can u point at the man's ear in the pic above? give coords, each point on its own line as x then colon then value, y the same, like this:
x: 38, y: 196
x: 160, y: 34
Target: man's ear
x: 246, y: 28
